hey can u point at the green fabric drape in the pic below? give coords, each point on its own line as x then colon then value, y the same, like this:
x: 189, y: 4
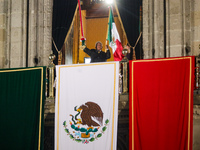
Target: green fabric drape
x: 21, y: 114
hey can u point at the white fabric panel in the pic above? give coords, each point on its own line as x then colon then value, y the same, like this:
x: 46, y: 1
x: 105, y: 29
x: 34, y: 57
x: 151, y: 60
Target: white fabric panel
x: 77, y: 85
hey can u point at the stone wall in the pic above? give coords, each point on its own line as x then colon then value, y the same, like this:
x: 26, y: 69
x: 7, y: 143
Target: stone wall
x: 196, y: 127
x: 3, y: 15
x: 182, y: 38
x: 195, y: 23
x: 40, y: 31
x: 182, y: 28
x: 25, y: 30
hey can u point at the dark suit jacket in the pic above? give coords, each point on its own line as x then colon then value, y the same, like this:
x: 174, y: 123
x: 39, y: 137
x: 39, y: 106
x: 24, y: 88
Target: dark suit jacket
x: 130, y: 55
x: 97, y: 56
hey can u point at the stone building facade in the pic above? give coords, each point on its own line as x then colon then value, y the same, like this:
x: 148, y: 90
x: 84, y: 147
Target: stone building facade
x: 171, y: 28
x: 25, y: 32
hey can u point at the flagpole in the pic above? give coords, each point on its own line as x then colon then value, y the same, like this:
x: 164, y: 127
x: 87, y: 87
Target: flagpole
x: 81, y: 23
x: 107, y: 28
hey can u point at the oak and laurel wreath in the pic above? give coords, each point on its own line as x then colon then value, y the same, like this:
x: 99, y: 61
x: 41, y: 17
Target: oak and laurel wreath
x: 92, y: 139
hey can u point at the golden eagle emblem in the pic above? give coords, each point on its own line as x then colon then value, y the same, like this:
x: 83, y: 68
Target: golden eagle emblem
x: 87, y: 124
x: 89, y: 111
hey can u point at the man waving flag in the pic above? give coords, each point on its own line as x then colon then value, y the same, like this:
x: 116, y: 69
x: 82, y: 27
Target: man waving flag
x: 114, y: 39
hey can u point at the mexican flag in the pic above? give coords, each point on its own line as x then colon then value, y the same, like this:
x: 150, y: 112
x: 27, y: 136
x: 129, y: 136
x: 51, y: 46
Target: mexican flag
x: 114, y: 39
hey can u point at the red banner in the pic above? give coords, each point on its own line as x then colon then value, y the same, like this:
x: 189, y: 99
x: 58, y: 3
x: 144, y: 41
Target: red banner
x: 161, y: 104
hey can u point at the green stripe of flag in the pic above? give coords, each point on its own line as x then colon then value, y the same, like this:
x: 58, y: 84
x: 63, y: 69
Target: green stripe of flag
x: 111, y: 20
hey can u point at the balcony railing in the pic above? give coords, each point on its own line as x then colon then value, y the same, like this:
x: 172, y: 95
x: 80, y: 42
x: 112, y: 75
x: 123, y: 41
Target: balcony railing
x: 123, y: 77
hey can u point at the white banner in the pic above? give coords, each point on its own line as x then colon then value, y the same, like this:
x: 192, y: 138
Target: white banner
x: 87, y: 106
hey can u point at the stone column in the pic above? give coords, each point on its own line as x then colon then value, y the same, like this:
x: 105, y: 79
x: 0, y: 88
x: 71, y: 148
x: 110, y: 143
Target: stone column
x: 2, y: 33
x: 182, y: 28
x: 174, y: 26
x: 48, y: 12
x: 40, y: 31
x: 14, y: 50
x: 16, y: 42
x: 196, y: 129
x: 195, y: 23
x: 153, y: 29
x: 147, y: 29
x: 188, y: 28
x: 158, y: 29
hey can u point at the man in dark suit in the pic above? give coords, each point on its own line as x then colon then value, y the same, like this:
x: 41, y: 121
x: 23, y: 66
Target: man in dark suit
x: 97, y: 55
x: 129, y: 54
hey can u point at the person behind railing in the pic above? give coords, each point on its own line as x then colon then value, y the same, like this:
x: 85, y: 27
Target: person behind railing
x: 97, y: 55
x: 129, y: 52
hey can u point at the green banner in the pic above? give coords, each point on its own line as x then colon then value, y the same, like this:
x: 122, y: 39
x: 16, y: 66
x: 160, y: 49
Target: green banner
x: 22, y: 108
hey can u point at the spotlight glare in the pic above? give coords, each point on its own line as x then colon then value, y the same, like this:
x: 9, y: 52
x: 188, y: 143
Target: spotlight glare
x: 109, y: 1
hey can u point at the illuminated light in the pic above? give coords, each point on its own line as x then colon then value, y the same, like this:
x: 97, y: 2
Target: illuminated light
x: 109, y: 1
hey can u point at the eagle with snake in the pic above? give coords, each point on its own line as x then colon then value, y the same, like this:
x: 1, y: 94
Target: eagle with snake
x: 91, y: 114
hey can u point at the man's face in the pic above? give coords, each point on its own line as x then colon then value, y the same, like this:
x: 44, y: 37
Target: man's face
x: 99, y: 47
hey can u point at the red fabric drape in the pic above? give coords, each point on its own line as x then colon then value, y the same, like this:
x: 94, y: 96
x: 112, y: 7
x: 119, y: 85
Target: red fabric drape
x: 161, y: 104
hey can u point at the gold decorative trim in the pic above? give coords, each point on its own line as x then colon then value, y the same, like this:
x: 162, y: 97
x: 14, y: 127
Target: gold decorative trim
x: 132, y: 107
x: 113, y: 106
x: 95, y: 64
x: 20, y: 69
x: 41, y: 95
x: 58, y: 109
x: 190, y: 88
